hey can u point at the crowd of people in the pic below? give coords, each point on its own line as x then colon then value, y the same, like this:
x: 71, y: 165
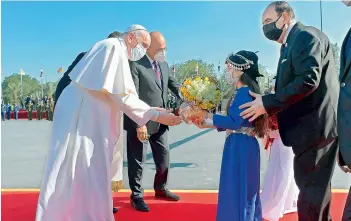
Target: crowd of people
x: 43, y: 108
x: 125, y: 78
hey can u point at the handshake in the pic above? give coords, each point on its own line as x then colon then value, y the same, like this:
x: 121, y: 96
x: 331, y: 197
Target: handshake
x: 176, y: 117
x: 168, y: 117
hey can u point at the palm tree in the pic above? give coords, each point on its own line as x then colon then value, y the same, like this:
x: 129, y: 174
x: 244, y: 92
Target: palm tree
x: 15, y: 89
x: 49, y: 88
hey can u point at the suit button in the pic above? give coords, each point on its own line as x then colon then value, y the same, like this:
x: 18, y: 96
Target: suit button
x: 342, y: 84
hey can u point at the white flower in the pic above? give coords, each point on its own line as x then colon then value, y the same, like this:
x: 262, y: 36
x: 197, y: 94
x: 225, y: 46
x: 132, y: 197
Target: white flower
x: 198, y: 97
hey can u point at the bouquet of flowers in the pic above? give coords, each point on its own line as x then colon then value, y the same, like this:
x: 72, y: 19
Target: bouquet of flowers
x: 198, y: 94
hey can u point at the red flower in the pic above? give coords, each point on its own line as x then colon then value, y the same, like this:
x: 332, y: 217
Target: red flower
x: 268, y: 143
x: 273, y: 123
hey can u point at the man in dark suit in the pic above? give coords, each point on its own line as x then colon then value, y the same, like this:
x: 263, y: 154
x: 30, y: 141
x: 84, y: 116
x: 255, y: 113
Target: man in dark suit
x: 65, y: 80
x: 344, y: 114
x: 152, y: 78
x: 305, y: 100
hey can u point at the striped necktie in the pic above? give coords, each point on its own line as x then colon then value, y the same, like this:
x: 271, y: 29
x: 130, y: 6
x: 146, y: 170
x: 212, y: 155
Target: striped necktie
x: 158, y: 75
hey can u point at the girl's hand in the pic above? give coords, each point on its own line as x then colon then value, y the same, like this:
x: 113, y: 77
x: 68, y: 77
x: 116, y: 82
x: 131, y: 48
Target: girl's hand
x: 200, y: 125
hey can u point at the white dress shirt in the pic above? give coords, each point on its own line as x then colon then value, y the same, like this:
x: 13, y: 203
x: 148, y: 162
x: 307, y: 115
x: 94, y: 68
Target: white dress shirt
x: 152, y: 64
x: 292, y: 24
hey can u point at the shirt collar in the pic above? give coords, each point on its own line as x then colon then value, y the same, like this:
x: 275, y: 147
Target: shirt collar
x: 151, y: 61
x: 292, y: 24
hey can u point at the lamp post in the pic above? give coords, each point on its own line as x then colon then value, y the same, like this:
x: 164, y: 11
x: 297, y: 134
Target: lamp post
x: 321, y: 13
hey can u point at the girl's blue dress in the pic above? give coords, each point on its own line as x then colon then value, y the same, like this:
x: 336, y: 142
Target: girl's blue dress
x: 239, y: 188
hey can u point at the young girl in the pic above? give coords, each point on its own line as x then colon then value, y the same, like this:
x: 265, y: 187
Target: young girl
x: 239, y: 188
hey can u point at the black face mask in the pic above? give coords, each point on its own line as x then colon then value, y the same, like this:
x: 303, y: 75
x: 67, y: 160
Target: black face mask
x: 271, y: 31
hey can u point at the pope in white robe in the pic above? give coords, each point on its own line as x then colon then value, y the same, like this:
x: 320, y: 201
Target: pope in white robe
x: 87, y: 131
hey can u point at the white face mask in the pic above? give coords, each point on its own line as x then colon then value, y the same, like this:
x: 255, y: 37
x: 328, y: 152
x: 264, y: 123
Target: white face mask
x: 160, y: 56
x: 137, y: 53
x: 230, y: 79
x: 347, y: 3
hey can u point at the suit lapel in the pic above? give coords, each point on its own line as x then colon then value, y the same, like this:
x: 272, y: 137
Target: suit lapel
x: 345, y: 65
x: 283, y: 55
x: 147, y: 65
x: 164, y: 74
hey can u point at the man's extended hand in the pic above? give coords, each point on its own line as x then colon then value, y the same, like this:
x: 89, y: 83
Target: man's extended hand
x: 167, y: 118
x: 142, y: 133
x: 254, y: 109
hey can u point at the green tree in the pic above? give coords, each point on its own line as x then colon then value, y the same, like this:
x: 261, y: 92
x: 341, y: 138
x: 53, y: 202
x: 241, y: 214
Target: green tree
x: 187, y: 69
x: 264, y: 82
x: 11, y: 87
x: 49, y: 88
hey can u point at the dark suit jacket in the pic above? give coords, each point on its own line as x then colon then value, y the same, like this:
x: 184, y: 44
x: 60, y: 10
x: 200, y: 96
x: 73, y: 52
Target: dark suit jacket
x: 307, y: 90
x: 66, y: 80
x: 344, y: 107
x: 150, y: 90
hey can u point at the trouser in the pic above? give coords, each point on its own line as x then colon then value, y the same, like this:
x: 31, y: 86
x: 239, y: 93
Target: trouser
x: 30, y: 115
x: 16, y: 115
x: 136, y: 152
x: 347, y: 210
x: 50, y: 115
x: 39, y: 115
x: 3, y: 116
x: 8, y: 115
x: 313, y: 170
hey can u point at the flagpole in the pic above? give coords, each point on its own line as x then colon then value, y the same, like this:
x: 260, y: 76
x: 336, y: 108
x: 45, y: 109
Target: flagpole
x: 42, y: 88
x: 21, y: 87
x: 321, y: 14
x: 42, y: 83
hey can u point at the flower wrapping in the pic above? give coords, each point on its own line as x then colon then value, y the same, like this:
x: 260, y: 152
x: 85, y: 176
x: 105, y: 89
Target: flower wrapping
x: 198, y: 94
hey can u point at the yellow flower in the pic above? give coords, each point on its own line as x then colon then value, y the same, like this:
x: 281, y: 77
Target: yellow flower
x: 191, y: 98
x: 187, y: 82
x: 198, y: 78
x: 210, y: 106
x: 203, y: 106
x: 206, y: 79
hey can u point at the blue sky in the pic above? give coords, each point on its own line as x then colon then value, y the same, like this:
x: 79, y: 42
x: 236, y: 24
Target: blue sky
x: 48, y: 35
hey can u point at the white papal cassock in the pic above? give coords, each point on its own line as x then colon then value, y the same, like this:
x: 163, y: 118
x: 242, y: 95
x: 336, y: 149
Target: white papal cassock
x: 87, y: 130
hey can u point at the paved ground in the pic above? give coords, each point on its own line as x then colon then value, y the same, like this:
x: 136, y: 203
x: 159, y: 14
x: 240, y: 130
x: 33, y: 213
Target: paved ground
x: 195, y: 157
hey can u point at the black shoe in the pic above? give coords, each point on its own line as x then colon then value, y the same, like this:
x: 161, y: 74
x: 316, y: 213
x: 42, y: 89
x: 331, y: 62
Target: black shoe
x: 166, y: 195
x: 139, y: 204
x: 115, y: 210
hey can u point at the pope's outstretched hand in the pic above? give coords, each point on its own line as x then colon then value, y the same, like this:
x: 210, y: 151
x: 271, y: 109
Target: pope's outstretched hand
x: 167, y: 118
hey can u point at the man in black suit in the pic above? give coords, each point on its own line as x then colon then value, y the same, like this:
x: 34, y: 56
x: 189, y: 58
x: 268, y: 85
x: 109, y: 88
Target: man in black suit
x: 344, y: 114
x: 152, y: 78
x: 65, y: 80
x: 305, y: 100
